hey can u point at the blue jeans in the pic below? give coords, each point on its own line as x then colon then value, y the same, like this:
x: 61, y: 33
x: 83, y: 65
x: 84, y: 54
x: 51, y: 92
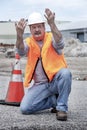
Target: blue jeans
x: 40, y: 97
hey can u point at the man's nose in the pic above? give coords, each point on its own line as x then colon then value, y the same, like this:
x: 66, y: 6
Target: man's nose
x: 37, y: 28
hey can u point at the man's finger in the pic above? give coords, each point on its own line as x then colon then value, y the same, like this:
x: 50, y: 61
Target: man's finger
x: 45, y: 16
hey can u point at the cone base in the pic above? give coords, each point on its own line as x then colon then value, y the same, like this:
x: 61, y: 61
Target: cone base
x: 3, y: 102
x: 15, y: 92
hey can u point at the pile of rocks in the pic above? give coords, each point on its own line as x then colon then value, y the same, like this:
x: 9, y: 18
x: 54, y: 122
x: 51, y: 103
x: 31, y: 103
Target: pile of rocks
x: 74, y: 48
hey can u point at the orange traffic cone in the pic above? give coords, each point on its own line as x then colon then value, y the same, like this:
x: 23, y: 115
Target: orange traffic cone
x: 15, y: 91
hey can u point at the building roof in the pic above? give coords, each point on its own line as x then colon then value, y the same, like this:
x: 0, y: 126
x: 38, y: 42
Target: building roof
x: 73, y: 25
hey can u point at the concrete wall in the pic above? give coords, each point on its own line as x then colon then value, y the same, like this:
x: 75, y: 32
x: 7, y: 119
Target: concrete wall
x: 80, y: 34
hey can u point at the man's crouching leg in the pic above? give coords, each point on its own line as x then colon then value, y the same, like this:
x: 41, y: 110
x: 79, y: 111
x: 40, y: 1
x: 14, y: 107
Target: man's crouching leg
x: 64, y: 87
x: 61, y: 85
x: 37, y: 98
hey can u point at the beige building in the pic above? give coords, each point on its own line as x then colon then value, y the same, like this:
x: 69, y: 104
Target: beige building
x: 76, y: 30
x: 8, y: 32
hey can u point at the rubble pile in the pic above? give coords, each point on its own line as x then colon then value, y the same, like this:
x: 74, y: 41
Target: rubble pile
x: 74, y: 48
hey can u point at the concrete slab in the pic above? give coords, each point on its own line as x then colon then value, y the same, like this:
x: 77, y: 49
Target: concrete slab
x: 12, y: 119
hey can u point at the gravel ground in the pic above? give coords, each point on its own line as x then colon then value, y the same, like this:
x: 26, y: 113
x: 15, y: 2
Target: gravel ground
x: 12, y: 119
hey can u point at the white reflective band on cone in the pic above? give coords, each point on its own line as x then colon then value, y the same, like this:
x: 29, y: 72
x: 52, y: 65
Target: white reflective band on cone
x: 17, y: 78
x: 17, y: 66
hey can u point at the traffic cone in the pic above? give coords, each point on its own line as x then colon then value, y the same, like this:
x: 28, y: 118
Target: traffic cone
x: 15, y: 91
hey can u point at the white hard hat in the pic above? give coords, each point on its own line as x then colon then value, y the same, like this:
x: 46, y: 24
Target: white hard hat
x: 35, y: 18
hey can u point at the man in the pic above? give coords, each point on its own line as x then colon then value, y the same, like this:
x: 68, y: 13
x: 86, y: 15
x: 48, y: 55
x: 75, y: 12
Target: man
x: 45, y: 65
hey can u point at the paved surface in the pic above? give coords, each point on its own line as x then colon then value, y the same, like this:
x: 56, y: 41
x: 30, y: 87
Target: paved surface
x: 12, y: 119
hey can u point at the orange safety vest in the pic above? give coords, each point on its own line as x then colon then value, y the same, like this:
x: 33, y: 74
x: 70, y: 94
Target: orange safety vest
x: 51, y: 61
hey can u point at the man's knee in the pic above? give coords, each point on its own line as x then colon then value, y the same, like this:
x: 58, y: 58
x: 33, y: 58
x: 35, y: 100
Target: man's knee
x: 66, y: 77
x: 25, y: 109
x: 66, y: 74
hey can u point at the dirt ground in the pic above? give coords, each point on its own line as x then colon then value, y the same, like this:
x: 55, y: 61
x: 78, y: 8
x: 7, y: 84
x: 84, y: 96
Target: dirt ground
x: 77, y: 65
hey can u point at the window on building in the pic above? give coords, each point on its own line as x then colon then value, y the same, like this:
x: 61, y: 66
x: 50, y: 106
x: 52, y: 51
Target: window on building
x: 80, y: 36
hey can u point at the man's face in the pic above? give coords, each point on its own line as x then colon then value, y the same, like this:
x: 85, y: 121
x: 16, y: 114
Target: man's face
x: 38, y: 30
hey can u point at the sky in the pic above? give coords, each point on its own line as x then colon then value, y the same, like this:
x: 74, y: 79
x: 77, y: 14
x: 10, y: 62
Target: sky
x: 65, y: 10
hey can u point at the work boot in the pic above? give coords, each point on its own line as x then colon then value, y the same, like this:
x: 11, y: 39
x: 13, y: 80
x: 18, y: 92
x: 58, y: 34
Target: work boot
x: 61, y: 115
